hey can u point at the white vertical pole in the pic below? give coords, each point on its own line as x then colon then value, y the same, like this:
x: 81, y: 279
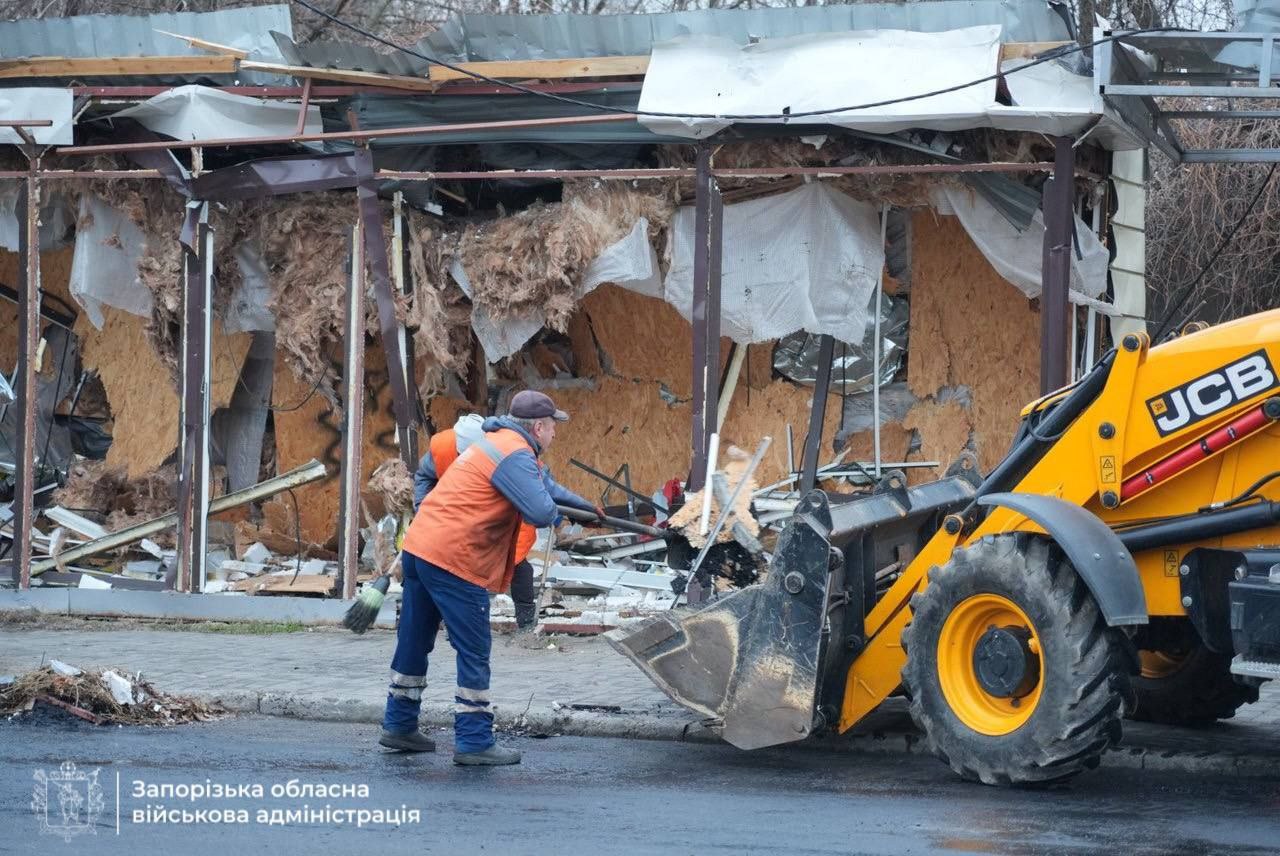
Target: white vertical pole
x: 875, y: 349
x: 712, y: 453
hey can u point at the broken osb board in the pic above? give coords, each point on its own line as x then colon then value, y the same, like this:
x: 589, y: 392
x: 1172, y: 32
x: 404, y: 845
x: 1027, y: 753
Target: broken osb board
x: 620, y: 422
x: 55, y: 278
x: 140, y: 390
x: 638, y: 337
x: 688, y: 518
x: 969, y: 327
x: 313, y: 430
x: 757, y: 369
x: 944, y: 433
x: 757, y: 413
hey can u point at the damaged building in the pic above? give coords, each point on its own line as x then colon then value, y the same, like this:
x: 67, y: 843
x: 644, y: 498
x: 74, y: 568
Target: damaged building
x: 243, y: 278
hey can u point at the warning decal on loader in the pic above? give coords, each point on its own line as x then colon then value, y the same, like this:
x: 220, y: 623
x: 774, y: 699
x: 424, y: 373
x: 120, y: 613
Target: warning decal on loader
x: 1208, y: 394
x: 1107, y: 467
x: 1170, y: 563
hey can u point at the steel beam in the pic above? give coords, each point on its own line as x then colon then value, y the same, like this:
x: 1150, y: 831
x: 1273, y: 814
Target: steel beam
x: 406, y: 435
x: 28, y: 214
x: 817, y: 415
x: 1059, y: 218
x: 352, y: 418
x: 350, y: 136
x: 1231, y: 156
x: 707, y: 231
x: 1192, y: 91
x: 193, y: 442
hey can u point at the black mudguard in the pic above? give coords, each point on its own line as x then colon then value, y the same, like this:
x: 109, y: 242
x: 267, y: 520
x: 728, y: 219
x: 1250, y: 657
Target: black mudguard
x: 1095, y: 551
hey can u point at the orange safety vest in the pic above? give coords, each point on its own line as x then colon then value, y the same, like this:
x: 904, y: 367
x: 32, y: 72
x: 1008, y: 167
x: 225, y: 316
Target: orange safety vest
x: 465, y: 525
x: 444, y: 451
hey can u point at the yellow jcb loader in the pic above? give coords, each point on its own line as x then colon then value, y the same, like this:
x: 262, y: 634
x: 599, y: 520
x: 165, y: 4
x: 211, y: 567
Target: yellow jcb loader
x: 1124, y: 558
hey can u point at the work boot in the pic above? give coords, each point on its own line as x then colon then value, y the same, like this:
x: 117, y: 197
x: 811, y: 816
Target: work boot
x: 411, y: 741
x: 494, y: 756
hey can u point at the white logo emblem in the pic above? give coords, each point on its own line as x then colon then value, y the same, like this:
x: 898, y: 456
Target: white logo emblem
x: 67, y: 802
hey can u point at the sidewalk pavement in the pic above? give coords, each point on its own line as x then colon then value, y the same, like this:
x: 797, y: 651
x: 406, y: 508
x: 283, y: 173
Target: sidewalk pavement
x: 573, y: 686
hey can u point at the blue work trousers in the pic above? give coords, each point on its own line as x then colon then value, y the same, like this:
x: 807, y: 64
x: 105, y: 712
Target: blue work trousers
x: 430, y: 595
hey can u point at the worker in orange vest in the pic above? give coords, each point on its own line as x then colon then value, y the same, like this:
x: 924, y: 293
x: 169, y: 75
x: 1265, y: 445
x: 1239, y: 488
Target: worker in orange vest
x: 459, y: 548
x: 445, y: 448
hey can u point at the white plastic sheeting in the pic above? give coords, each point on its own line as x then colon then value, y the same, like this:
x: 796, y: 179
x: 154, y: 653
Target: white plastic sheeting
x: 104, y: 264
x: 56, y: 217
x: 711, y: 75
x: 804, y: 260
x: 630, y: 263
x: 38, y: 102
x: 203, y: 113
x: 1017, y: 255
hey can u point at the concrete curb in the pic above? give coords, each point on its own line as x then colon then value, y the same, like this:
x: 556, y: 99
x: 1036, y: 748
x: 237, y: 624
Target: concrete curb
x: 644, y: 726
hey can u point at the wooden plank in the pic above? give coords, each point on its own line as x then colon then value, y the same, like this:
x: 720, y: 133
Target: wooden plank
x: 120, y: 66
x: 367, y: 78
x: 630, y: 66
x: 1026, y: 50
x: 286, y: 584
x: 212, y: 47
x: 548, y: 69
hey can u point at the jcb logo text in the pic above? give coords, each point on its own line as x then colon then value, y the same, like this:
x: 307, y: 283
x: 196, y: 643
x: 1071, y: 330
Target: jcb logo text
x: 1206, y: 395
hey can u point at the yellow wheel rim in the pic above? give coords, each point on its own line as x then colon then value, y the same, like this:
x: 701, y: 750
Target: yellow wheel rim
x: 971, y: 703
x: 1159, y: 664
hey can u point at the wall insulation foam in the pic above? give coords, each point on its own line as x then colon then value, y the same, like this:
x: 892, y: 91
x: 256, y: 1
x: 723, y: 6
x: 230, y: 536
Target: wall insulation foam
x: 969, y: 327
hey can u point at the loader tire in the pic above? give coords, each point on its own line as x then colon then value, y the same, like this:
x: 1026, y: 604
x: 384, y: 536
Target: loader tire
x: 1047, y: 729
x: 1192, y: 686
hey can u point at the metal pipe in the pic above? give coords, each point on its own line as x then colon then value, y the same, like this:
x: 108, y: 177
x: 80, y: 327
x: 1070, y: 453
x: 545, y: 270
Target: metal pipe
x: 328, y: 136
x: 615, y: 174
x: 614, y: 483
x: 1198, y: 527
x: 305, y: 474
x: 352, y: 415
x: 612, y: 522
x: 28, y: 215
x: 713, y: 452
x: 1055, y: 274
x: 875, y: 351
x: 817, y: 415
x: 721, y: 172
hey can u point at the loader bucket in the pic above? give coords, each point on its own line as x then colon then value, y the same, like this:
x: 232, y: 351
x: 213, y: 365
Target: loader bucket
x: 752, y: 659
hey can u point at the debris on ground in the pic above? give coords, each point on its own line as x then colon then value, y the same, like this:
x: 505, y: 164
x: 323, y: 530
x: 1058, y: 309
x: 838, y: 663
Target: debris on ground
x: 100, y: 697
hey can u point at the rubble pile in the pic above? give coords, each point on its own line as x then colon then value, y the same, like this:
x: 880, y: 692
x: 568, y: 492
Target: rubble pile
x: 99, y: 697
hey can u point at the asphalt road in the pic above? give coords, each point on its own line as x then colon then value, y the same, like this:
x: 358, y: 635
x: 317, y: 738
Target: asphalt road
x: 579, y: 795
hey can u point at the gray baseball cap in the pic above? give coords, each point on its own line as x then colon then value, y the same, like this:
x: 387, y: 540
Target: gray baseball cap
x: 531, y: 404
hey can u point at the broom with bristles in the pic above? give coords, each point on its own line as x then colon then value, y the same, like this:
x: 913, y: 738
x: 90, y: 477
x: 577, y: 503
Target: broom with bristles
x: 364, y: 611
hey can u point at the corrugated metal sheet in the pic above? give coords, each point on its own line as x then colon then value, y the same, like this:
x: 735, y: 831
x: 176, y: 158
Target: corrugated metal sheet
x: 476, y: 38
x: 247, y: 28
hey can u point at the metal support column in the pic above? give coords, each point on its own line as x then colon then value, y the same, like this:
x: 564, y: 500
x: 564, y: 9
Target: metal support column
x: 193, y: 442
x: 1059, y: 210
x: 817, y: 415
x: 708, y: 231
x: 406, y: 436
x: 28, y: 214
x: 352, y: 419
x: 375, y: 252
